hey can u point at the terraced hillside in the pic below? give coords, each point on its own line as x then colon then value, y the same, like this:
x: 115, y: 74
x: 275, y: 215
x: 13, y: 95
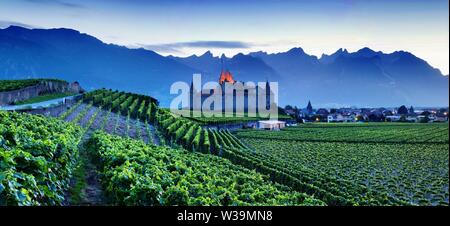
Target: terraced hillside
x: 106, y: 169
x: 9, y: 85
x: 110, y: 122
x: 31, y: 91
x: 139, y: 117
x: 145, y: 155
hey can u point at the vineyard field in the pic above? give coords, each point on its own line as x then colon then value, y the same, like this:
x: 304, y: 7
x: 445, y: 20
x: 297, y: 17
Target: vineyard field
x: 112, y: 123
x: 359, y: 133
x: 140, y: 174
x: 37, y: 158
x: 377, y: 164
x: 141, y: 154
x: 224, y: 118
x: 9, y: 85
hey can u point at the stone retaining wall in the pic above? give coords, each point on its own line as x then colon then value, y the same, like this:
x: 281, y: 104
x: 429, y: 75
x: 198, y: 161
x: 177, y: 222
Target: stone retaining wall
x: 44, y: 87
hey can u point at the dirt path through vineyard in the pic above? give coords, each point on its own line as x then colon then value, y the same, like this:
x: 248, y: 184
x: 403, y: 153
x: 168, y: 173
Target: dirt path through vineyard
x: 85, y: 186
x: 86, y: 189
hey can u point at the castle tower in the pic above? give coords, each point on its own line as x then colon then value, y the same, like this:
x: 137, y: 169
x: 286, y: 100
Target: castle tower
x: 268, y: 94
x: 309, y: 108
x: 225, y: 76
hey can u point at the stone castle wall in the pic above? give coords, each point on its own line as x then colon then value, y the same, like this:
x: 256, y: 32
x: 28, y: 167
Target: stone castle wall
x: 45, y: 87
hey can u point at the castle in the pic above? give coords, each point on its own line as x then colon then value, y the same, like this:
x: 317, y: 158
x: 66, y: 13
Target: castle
x: 249, y: 95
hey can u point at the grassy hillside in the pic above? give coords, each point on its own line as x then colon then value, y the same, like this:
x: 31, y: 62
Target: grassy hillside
x: 44, y: 97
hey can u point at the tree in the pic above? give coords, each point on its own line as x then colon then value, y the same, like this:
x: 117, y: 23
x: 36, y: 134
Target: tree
x: 387, y: 113
x: 426, y: 113
x: 442, y: 112
x: 288, y: 107
x: 296, y: 111
x: 359, y: 118
x: 297, y: 114
x: 281, y: 111
x: 411, y: 110
x: 309, y: 108
x: 402, y: 119
x: 402, y: 110
x: 376, y: 118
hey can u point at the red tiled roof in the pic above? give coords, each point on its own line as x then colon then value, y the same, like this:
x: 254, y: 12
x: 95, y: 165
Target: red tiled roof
x: 226, y: 76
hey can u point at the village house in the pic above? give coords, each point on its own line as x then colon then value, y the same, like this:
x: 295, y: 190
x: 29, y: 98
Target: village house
x: 381, y: 114
x: 393, y: 118
x: 340, y: 118
x: 322, y: 112
x: 441, y: 117
x: 271, y: 124
x: 290, y: 112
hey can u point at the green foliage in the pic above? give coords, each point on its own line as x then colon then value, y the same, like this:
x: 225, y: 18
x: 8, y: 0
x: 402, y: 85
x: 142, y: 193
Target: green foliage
x: 381, y: 164
x: 37, y: 158
x: 206, y: 144
x: 425, y: 119
x: 136, y: 105
x: 141, y: 111
x: 215, y: 143
x: 44, y: 97
x: 68, y: 112
x: 10, y: 85
x: 197, y: 138
x: 189, y: 134
x: 138, y: 174
x: 402, y: 110
x: 124, y: 106
x: 359, y: 133
x: 232, y: 119
x: 340, y: 164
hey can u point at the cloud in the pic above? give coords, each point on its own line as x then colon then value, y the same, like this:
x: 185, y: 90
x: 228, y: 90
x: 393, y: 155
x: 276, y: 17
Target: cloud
x: 65, y: 4
x: 6, y: 23
x: 215, y: 44
x: 161, y: 48
x: 177, y: 46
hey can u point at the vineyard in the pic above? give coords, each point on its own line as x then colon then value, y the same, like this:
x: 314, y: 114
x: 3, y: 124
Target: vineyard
x: 224, y: 118
x: 137, y: 126
x: 371, y: 133
x: 9, y: 85
x: 118, y: 113
x: 140, y: 174
x: 37, y: 158
x: 137, y: 116
x: 192, y: 136
x: 379, y: 165
x: 146, y: 155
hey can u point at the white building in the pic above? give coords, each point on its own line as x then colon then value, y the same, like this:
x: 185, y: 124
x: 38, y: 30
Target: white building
x: 340, y: 118
x: 271, y: 124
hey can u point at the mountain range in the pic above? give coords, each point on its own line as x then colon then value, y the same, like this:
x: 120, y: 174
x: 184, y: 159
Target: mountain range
x: 362, y: 78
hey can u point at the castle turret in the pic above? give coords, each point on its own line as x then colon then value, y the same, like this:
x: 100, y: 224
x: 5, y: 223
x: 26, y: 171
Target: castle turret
x: 225, y: 76
x: 309, y: 108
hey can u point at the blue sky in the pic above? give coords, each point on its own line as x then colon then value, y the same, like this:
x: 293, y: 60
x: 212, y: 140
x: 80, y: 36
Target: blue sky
x: 193, y: 26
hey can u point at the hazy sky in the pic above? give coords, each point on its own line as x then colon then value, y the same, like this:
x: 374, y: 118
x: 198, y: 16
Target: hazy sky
x: 228, y: 26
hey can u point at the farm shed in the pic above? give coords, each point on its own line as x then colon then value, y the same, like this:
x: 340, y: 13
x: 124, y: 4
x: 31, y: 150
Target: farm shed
x: 271, y: 124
